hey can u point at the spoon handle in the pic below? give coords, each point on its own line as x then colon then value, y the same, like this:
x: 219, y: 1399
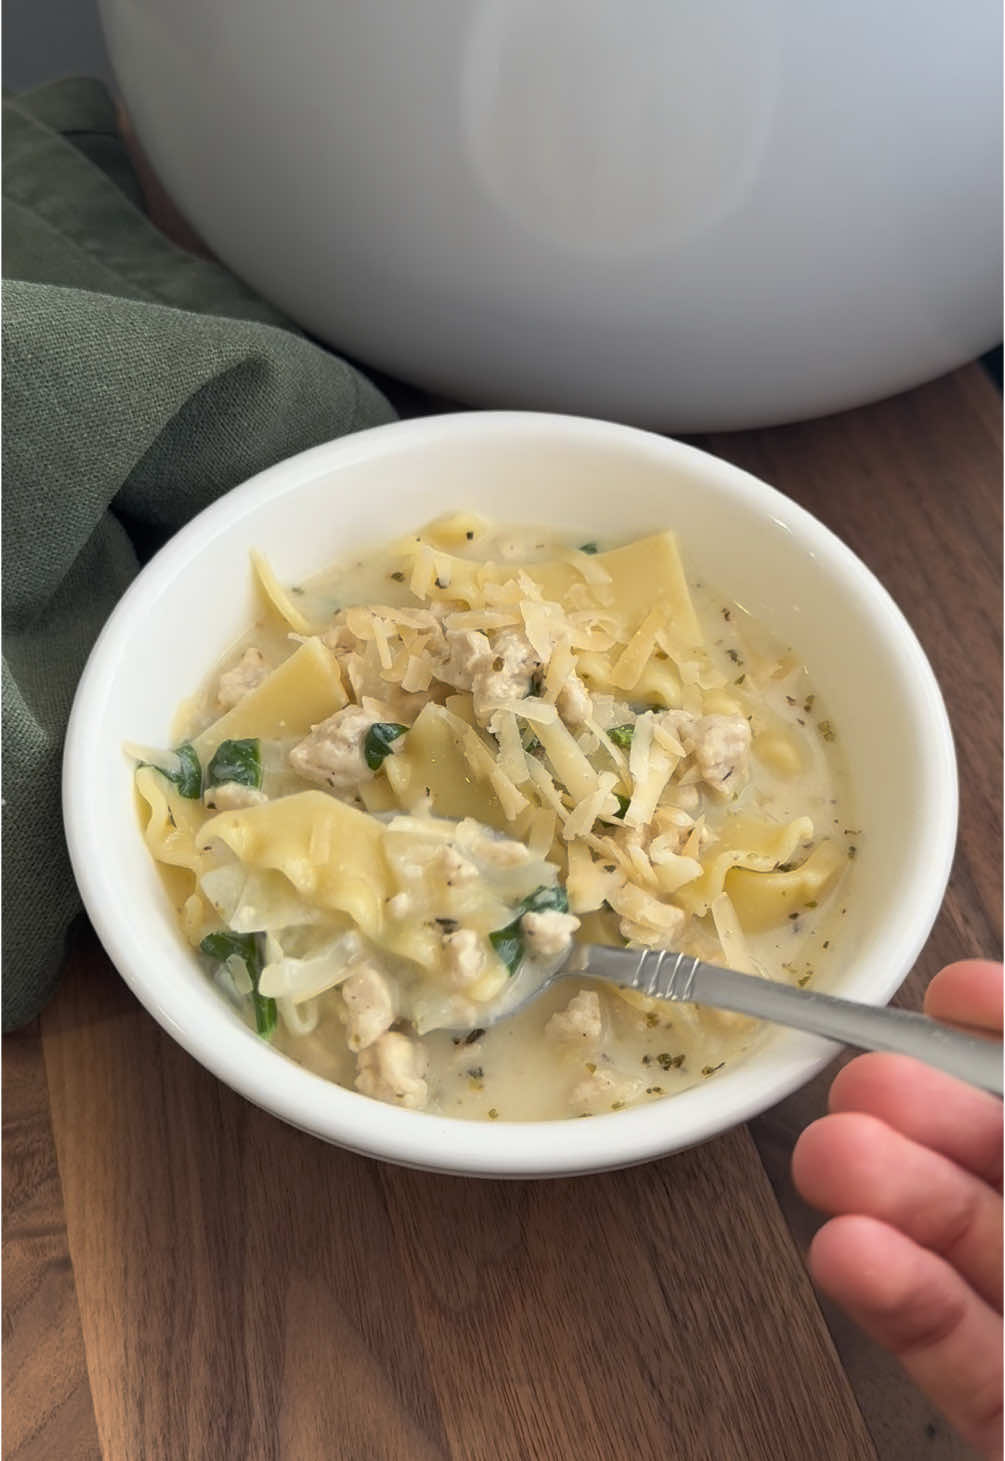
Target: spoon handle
x: 972, y: 1058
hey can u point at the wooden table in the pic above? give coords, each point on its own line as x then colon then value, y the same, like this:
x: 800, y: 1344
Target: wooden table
x: 187, y: 1278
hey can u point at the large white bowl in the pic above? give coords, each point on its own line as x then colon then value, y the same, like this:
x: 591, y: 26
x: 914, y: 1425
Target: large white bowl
x: 601, y: 480
x: 686, y: 214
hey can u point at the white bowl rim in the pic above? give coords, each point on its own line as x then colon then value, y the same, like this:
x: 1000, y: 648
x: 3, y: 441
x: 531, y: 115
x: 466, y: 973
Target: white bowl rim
x: 438, y: 1143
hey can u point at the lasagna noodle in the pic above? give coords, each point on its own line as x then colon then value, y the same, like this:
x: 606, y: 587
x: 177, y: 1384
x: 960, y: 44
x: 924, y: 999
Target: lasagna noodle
x: 304, y: 690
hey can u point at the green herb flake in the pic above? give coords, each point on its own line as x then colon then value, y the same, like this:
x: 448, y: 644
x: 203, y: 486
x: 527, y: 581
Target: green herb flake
x: 590, y: 548
x: 398, y: 576
x: 734, y: 655
x: 669, y: 1062
x: 493, y: 1114
x: 622, y: 735
x: 508, y: 941
x: 803, y: 980
x: 239, y: 761
x: 224, y: 945
x: 379, y: 740
x: 707, y: 1070
x: 827, y: 730
x: 853, y: 852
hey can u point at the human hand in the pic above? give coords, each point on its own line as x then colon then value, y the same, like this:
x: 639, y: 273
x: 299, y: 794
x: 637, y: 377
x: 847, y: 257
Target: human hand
x: 910, y: 1163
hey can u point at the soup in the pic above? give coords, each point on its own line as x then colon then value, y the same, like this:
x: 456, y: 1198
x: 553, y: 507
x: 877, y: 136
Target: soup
x: 431, y: 769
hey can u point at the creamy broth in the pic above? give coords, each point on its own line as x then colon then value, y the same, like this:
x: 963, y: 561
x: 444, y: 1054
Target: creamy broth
x: 778, y: 913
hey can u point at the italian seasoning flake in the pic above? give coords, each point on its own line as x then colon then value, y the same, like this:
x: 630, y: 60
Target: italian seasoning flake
x: 669, y: 1062
x: 711, y: 1069
x: 493, y: 1114
x: 826, y: 730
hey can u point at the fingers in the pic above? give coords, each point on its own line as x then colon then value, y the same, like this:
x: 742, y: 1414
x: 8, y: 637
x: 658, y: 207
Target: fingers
x: 914, y: 1304
x: 853, y: 1163
x: 927, y: 1107
x: 967, y: 993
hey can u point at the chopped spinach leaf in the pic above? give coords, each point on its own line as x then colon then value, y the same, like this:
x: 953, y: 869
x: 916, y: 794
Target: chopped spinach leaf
x: 545, y: 900
x: 188, y: 777
x: 622, y: 735
x: 624, y: 802
x: 224, y: 945
x: 239, y: 761
x: 508, y: 942
x: 379, y: 738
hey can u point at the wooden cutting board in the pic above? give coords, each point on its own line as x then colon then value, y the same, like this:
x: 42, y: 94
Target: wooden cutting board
x: 185, y: 1277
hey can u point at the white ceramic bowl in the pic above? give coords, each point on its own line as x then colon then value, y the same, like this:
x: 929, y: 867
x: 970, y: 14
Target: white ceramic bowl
x: 606, y: 481
x: 692, y: 214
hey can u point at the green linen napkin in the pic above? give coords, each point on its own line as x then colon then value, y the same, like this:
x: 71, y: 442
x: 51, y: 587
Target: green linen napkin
x: 139, y: 383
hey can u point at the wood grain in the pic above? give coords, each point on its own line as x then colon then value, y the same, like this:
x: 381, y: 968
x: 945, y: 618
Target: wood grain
x: 255, y: 1293
x: 47, y: 1399
x: 913, y: 484
x: 241, y: 1290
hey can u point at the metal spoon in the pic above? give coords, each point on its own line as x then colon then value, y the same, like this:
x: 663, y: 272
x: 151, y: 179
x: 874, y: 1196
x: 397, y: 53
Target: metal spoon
x: 974, y: 1058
